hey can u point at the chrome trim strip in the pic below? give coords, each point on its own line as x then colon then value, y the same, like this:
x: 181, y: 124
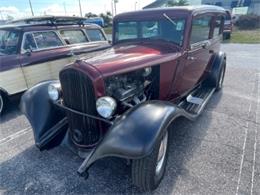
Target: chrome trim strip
x: 59, y: 104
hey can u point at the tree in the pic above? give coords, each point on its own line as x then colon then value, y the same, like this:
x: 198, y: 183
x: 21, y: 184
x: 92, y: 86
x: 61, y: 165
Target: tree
x: 90, y: 15
x: 172, y: 3
x: 107, y: 17
x: 9, y: 18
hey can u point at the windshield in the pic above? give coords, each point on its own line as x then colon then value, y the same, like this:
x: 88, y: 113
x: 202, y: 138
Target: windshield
x: 164, y: 29
x: 8, y: 42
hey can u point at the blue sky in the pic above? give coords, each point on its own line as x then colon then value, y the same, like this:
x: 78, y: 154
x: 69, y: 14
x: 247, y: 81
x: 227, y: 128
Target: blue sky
x: 21, y: 8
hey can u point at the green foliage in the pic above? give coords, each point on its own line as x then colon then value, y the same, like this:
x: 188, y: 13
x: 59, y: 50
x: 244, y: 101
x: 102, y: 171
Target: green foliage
x: 172, y: 3
x: 248, y: 22
x: 107, y: 17
x: 245, y: 36
x: 90, y: 15
x: 9, y: 18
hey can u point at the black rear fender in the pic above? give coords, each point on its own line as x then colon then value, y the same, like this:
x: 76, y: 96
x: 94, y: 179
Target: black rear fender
x: 219, y: 61
x: 48, y: 121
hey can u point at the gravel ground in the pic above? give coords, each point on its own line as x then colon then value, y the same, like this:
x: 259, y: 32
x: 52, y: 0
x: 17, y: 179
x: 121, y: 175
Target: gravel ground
x: 217, y: 154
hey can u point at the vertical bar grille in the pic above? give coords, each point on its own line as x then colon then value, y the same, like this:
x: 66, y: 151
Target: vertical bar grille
x: 78, y: 94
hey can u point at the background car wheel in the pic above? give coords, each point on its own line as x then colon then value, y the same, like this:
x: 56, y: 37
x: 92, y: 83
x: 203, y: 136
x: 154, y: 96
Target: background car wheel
x: 226, y: 36
x: 2, y: 102
x: 148, y: 172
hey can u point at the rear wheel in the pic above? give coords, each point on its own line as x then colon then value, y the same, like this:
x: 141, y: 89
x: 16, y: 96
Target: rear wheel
x: 221, y: 77
x: 148, y: 172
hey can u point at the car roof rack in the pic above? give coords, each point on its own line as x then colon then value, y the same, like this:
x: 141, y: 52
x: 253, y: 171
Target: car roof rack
x: 51, y: 20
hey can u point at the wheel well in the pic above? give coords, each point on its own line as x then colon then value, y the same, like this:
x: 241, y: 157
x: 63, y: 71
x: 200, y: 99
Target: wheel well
x: 4, y: 93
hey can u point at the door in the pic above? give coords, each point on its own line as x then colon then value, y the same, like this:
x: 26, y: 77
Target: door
x: 196, y: 59
x: 43, y: 55
x: 11, y: 75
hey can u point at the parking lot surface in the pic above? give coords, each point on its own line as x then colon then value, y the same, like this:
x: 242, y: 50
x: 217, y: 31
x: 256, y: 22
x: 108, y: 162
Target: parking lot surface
x: 219, y: 153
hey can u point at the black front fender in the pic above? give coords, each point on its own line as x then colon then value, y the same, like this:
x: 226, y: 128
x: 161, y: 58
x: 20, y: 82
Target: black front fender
x: 48, y: 121
x: 135, y: 133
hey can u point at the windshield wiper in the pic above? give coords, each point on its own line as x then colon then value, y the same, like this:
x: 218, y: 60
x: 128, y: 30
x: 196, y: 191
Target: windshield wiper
x: 168, y: 18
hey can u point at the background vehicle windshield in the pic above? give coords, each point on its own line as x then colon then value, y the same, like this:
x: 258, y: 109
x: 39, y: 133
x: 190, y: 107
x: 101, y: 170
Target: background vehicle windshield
x: 167, y: 29
x: 8, y: 42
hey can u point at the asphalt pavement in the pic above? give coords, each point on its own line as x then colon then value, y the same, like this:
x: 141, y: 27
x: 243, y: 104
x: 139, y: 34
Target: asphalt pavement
x: 219, y: 153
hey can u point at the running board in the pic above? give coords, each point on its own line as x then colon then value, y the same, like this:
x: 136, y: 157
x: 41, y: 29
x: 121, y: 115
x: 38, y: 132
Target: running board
x: 197, y: 100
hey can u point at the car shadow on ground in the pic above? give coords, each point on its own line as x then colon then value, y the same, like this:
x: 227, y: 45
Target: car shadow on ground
x: 54, y: 171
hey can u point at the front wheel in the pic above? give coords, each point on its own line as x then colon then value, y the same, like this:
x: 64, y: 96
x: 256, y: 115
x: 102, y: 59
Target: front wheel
x: 148, y: 172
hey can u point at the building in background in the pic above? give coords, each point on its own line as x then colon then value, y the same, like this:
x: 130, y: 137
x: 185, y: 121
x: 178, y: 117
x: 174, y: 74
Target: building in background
x: 253, y: 5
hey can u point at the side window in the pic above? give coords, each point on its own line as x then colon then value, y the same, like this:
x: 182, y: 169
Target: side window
x: 73, y: 36
x: 200, y: 29
x: 8, y: 42
x: 218, y: 26
x: 46, y: 40
x: 95, y: 35
x: 126, y: 30
x: 29, y: 43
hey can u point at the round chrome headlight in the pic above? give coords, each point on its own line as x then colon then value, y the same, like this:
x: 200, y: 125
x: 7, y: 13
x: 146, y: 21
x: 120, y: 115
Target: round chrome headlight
x: 106, y: 106
x: 54, y: 91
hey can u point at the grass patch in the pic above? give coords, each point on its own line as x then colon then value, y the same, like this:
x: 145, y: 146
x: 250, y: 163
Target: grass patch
x: 245, y: 36
x: 108, y: 30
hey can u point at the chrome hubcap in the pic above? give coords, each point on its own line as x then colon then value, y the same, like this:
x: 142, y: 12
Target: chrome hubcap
x: 1, y: 103
x: 162, y: 153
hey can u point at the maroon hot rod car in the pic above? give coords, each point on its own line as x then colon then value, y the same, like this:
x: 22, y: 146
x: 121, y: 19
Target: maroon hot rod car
x: 163, y: 64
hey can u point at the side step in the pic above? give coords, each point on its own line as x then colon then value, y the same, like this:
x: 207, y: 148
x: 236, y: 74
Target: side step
x: 197, y: 100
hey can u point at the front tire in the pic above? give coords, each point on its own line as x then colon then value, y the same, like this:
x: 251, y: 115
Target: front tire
x: 148, y: 172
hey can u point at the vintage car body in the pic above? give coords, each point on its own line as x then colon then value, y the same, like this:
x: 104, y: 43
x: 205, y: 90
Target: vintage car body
x: 23, y: 68
x: 163, y: 64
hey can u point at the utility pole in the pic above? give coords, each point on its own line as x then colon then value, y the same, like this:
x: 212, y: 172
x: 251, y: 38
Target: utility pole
x: 115, y: 2
x: 31, y: 7
x: 112, y: 8
x: 64, y: 5
x: 80, y: 8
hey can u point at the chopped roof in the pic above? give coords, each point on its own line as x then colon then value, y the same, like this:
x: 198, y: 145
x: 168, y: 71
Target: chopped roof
x: 194, y: 10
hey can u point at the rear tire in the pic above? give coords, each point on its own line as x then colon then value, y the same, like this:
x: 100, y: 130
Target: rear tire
x: 148, y: 172
x: 221, y: 77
